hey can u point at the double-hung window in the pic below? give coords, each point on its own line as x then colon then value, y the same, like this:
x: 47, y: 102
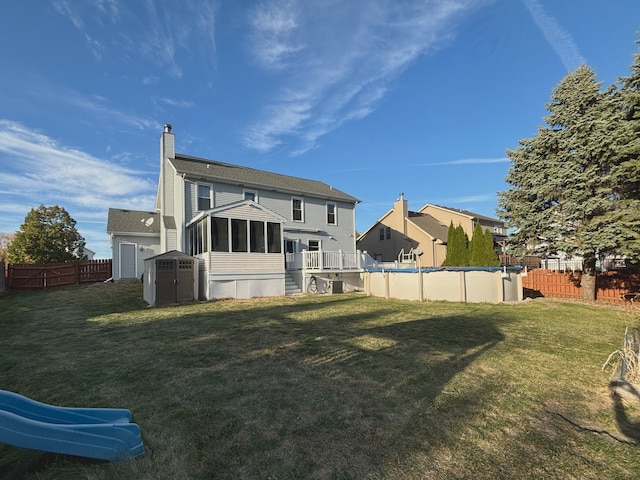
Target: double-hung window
x: 332, y: 214
x: 297, y: 209
x: 204, y: 196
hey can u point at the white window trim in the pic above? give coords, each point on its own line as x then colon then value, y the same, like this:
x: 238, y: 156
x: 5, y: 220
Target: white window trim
x: 198, y: 184
x: 301, y: 209
x: 335, y: 213
x: 255, y: 194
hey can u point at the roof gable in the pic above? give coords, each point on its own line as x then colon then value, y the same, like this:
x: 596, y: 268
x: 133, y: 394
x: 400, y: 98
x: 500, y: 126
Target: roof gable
x: 251, y: 177
x: 244, y: 209
x: 378, y: 222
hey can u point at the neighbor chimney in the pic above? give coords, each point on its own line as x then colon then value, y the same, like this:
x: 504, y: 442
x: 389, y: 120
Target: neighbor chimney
x: 167, y: 128
x: 402, y: 208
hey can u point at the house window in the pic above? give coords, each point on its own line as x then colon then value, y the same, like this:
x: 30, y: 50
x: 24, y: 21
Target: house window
x: 297, y: 212
x: 219, y: 234
x: 331, y: 214
x: 256, y: 236
x: 238, y: 235
x: 385, y: 233
x: 204, y: 197
x: 274, y: 240
x: 314, y: 245
x: 251, y: 195
x: 291, y: 246
x: 381, y: 233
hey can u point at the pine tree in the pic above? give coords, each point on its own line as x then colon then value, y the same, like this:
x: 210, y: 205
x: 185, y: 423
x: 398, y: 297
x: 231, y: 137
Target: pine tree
x: 626, y: 174
x: 47, y: 235
x: 561, y: 198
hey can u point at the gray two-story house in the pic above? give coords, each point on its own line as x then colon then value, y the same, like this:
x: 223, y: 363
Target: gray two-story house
x: 254, y: 233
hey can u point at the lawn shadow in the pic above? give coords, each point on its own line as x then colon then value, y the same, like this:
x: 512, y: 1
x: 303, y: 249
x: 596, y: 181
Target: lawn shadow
x: 622, y: 390
x: 319, y: 387
x: 343, y: 395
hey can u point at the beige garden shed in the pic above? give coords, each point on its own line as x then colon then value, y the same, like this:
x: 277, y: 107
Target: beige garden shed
x: 170, y: 278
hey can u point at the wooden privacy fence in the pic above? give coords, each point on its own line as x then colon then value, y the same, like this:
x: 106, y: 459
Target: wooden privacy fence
x: 549, y: 283
x: 47, y: 275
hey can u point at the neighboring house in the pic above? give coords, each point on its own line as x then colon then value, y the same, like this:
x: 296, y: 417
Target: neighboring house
x: 467, y: 220
x: 134, y: 236
x: 400, y: 233
x: 253, y: 232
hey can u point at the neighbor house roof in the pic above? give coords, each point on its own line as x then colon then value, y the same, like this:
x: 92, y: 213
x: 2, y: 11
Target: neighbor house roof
x: 251, y: 177
x: 429, y: 225
x: 133, y: 221
x: 464, y: 212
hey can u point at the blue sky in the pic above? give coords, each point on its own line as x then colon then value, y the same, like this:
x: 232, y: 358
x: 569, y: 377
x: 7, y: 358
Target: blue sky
x: 374, y: 97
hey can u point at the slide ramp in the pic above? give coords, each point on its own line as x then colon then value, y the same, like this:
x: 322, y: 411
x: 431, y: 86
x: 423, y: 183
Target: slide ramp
x: 101, y: 433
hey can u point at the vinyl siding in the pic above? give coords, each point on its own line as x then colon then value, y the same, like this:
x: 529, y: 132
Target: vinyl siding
x: 315, y: 214
x: 150, y: 247
x: 245, y: 263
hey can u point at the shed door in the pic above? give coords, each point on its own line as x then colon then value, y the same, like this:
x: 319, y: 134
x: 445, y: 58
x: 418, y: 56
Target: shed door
x: 166, y: 281
x: 174, y: 281
x: 184, y: 280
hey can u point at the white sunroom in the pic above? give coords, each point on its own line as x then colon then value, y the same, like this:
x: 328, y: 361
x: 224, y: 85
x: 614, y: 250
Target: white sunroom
x: 239, y: 250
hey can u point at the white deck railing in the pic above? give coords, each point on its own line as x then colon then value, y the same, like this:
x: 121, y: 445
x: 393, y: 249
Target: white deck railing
x: 323, y: 260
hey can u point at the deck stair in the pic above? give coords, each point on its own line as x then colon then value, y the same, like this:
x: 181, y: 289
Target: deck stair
x: 290, y: 286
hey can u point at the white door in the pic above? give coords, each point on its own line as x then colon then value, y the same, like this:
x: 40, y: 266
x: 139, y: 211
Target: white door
x: 128, y: 260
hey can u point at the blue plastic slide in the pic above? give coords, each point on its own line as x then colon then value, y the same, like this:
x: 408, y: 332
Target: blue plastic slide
x: 101, y: 433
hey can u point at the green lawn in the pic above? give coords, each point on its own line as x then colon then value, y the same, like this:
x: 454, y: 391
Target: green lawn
x: 326, y: 387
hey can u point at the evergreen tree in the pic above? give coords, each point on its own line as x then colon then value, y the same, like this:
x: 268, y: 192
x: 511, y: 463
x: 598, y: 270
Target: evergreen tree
x: 47, y: 235
x: 476, y: 247
x: 490, y: 255
x: 457, y: 247
x: 481, y: 250
x: 626, y: 174
x: 561, y: 198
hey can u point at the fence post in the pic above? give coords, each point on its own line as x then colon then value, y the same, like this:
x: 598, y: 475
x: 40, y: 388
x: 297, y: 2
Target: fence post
x: 2, y: 277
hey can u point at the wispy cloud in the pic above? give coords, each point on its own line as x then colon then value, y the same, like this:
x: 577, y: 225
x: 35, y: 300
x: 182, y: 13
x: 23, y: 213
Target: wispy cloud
x: 338, y: 59
x: 466, y: 161
x: 176, y: 103
x: 274, y: 27
x: 167, y: 35
x: 471, y: 199
x: 64, y: 8
x: 559, y: 39
x: 68, y: 172
x: 37, y: 169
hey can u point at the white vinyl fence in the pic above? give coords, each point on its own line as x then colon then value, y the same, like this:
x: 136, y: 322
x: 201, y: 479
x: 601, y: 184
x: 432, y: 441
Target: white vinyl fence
x: 489, y: 285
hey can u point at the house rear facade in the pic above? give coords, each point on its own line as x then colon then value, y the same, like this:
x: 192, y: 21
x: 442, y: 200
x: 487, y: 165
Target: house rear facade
x: 249, y: 228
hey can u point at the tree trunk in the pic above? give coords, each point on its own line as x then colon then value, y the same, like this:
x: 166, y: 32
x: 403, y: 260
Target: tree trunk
x: 588, y: 281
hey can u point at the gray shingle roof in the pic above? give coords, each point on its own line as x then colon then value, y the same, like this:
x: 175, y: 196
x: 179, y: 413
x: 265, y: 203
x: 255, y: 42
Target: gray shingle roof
x: 132, y: 221
x: 251, y: 177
